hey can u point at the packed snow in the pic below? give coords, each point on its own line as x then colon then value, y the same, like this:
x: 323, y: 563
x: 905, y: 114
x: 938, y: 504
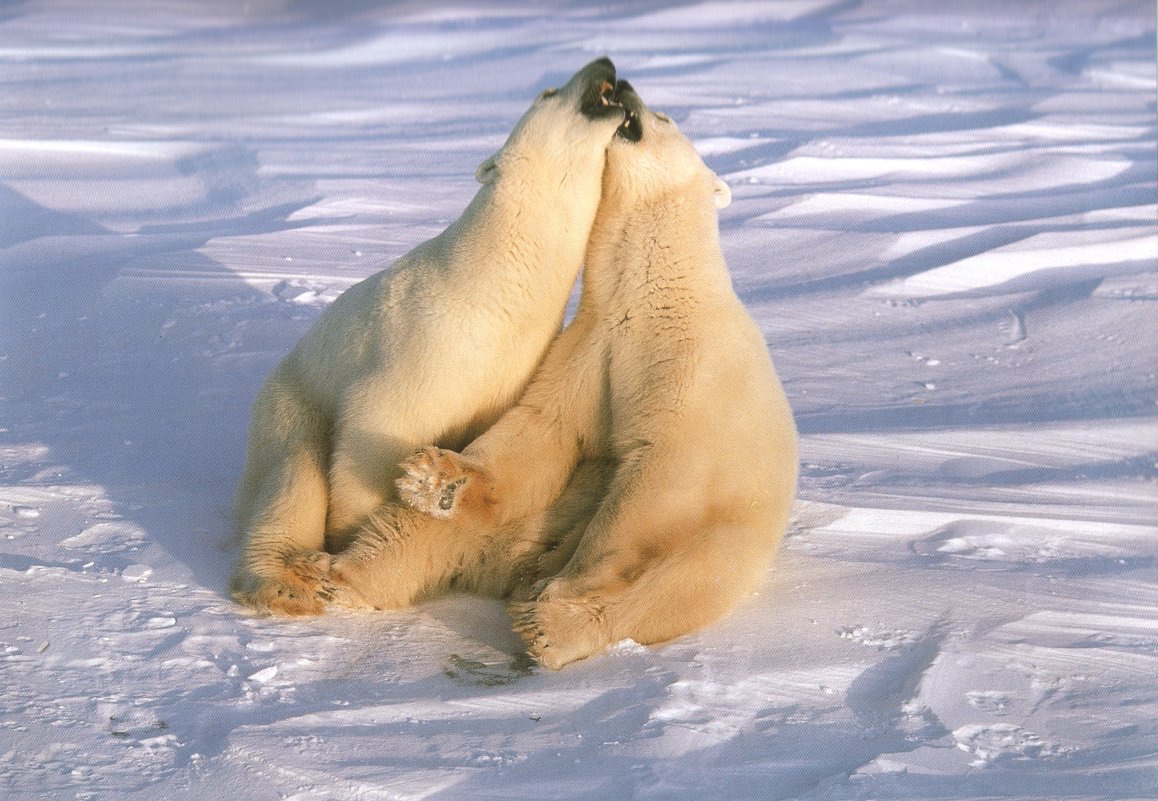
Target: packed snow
x: 945, y: 221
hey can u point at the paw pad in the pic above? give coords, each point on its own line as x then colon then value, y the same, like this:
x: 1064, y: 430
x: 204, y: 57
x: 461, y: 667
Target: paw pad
x: 446, y: 499
x: 431, y: 481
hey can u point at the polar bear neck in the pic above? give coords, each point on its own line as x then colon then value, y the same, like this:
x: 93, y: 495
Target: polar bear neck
x: 534, y: 240
x: 664, y: 245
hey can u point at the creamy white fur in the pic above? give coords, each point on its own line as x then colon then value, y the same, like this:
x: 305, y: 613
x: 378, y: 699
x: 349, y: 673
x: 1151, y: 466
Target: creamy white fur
x: 433, y: 349
x: 642, y: 484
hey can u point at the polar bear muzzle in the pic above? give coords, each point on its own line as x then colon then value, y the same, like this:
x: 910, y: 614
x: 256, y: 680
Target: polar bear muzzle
x: 632, y: 104
x: 598, y: 99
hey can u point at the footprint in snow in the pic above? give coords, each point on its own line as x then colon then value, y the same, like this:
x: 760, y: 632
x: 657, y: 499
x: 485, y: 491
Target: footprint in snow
x: 299, y: 291
x: 473, y: 673
x: 1002, y: 742
x: 992, y: 701
x: 882, y: 640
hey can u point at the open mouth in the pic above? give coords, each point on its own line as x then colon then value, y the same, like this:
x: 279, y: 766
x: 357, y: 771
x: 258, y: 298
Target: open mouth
x: 625, y: 97
x: 607, y: 94
x: 599, y: 91
x: 631, y: 129
x: 600, y: 100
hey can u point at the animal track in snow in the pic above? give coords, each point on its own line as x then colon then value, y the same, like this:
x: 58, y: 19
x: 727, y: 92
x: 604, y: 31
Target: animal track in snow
x: 927, y: 361
x: 105, y: 538
x: 296, y: 290
x: 882, y: 640
x: 1002, y: 742
x: 1013, y: 542
x: 994, y: 702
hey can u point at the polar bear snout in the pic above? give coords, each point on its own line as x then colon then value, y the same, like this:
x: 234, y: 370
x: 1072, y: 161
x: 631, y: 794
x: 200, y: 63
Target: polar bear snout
x: 625, y: 96
x: 597, y: 82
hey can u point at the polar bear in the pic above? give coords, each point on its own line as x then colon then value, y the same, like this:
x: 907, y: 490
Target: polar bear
x: 433, y: 349
x: 641, y: 485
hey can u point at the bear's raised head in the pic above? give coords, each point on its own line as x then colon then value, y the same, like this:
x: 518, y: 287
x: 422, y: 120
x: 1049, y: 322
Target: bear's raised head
x: 650, y: 157
x: 564, y: 132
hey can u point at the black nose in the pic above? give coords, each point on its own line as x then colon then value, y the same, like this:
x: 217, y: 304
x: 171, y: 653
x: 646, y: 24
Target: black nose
x: 602, y: 69
x: 626, y: 95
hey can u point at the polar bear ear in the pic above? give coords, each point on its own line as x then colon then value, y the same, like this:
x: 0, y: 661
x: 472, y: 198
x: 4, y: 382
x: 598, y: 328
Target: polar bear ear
x: 488, y: 170
x: 722, y: 193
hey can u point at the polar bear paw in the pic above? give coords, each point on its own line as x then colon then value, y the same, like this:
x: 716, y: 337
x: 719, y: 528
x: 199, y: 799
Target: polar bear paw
x: 434, y: 481
x: 310, y: 570
x: 282, y: 599
x: 557, y: 632
x: 299, y: 587
x: 318, y: 576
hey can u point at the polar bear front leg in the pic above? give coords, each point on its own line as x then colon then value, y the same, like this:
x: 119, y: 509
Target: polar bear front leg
x: 282, y: 497
x: 362, y: 468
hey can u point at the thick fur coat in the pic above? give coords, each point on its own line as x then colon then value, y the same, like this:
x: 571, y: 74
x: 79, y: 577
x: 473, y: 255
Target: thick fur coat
x: 431, y: 350
x: 642, y: 484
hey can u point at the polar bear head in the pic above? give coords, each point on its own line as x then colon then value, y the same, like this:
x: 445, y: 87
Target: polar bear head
x: 565, y: 132
x: 650, y: 157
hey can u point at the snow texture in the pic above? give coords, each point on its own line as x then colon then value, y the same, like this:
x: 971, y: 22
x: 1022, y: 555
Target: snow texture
x: 945, y: 222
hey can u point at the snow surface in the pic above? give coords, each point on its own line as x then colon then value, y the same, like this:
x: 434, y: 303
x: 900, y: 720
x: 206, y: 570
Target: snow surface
x: 944, y: 220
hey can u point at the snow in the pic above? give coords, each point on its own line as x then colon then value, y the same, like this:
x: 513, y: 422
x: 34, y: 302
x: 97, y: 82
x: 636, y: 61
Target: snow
x: 945, y: 219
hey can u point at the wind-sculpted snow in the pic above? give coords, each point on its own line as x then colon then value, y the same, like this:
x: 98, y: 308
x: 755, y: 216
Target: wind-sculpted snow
x: 944, y: 219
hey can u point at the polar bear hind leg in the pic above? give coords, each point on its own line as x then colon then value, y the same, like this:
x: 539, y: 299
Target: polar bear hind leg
x: 444, y: 484
x: 649, y: 599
